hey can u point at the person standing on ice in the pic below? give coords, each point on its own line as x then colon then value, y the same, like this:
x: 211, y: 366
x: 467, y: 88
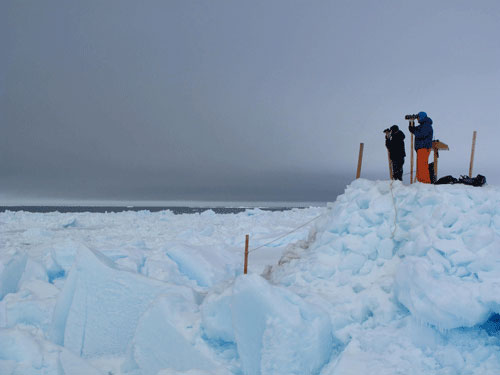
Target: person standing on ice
x: 395, y: 143
x: 423, y: 144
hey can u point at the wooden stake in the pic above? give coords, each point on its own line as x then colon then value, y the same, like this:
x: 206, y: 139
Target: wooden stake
x: 412, y: 122
x: 472, y: 152
x: 360, y: 159
x: 436, y: 147
x: 245, y: 268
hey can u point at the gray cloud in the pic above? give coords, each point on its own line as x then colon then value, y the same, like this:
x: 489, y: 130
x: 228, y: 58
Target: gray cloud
x: 236, y: 100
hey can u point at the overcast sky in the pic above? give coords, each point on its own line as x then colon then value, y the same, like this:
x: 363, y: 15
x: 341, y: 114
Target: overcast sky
x: 236, y: 100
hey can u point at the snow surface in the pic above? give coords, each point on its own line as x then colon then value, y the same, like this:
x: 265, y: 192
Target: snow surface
x: 389, y: 279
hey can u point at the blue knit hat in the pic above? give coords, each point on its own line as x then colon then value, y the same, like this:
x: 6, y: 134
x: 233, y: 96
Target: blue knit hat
x: 421, y: 116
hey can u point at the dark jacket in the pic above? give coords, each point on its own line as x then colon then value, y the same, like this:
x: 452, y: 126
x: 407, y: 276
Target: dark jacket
x: 423, y: 132
x: 395, y: 143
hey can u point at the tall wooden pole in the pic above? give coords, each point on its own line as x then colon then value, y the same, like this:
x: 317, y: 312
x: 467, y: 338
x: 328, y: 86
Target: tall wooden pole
x: 245, y: 268
x: 472, y: 152
x: 360, y: 159
x: 412, y: 123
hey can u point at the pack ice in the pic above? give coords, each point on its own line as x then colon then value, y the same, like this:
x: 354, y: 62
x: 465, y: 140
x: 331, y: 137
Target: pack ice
x: 388, y: 279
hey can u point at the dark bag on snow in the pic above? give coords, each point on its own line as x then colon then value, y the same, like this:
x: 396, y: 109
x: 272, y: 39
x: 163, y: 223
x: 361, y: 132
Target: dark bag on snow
x: 479, y: 180
x: 446, y: 180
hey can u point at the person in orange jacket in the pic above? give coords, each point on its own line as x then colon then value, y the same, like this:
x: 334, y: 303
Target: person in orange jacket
x: 423, y: 144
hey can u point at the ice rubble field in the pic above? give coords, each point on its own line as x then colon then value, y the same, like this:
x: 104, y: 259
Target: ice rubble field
x: 386, y: 281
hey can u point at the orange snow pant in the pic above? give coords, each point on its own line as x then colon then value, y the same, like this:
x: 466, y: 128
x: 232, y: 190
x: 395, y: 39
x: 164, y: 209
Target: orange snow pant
x: 423, y: 165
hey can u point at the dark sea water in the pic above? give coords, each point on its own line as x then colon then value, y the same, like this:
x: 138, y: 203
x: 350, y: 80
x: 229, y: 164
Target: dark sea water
x: 102, y: 209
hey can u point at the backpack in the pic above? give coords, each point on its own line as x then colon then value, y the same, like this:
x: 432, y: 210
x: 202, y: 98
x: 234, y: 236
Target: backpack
x: 479, y: 180
x: 446, y: 180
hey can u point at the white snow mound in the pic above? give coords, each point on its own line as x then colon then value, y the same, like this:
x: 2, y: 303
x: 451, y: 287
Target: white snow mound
x: 392, y: 279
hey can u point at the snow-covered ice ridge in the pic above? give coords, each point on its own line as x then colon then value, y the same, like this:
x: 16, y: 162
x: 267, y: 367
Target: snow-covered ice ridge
x: 391, y: 279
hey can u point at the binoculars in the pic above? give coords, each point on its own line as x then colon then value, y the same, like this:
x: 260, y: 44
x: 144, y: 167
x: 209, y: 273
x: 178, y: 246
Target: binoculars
x: 411, y: 117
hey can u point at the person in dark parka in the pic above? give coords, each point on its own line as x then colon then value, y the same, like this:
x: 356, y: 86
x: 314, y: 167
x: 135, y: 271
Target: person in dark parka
x: 423, y: 144
x: 395, y: 143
